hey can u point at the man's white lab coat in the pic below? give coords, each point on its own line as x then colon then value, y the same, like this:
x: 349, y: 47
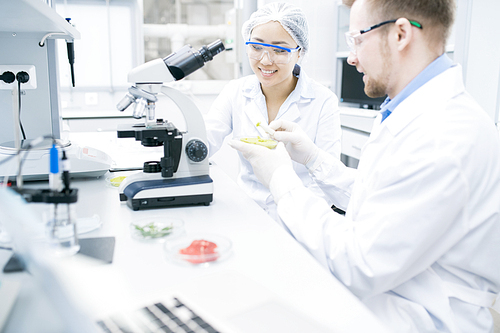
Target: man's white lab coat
x: 420, y: 241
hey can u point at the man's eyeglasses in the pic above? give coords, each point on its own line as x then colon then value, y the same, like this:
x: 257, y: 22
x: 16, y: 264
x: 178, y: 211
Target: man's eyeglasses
x: 351, y: 36
x: 276, y: 54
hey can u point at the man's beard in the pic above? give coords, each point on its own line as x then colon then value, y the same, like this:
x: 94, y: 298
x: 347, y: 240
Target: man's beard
x: 378, y: 88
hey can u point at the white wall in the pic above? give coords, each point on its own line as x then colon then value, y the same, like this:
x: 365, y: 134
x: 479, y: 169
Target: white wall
x: 477, y: 48
x: 319, y: 62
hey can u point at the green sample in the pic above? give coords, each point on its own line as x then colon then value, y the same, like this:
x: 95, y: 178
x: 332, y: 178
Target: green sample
x: 151, y: 230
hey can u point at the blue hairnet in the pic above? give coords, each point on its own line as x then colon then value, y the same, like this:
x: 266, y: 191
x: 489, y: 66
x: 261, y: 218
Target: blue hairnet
x: 289, y: 16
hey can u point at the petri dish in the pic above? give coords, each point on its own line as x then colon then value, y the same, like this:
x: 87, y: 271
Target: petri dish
x: 114, y: 181
x: 198, y: 249
x: 83, y: 225
x: 257, y: 140
x: 156, y: 229
x: 88, y: 224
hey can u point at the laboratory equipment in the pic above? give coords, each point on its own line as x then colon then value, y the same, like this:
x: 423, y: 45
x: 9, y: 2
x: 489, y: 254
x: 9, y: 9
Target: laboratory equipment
x: 61, y: 229
x: 61, y: 220
x: 22, y: 25
x: 266, y: 128
x: 181, y: 177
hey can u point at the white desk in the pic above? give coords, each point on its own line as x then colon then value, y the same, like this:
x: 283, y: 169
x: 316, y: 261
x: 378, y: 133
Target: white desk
x: 261, y: 250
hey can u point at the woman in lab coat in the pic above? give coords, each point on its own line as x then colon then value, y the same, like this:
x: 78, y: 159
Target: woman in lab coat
x: 277, y: 40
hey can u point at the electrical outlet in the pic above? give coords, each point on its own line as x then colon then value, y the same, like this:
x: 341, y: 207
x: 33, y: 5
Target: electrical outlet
x: 30, y: 69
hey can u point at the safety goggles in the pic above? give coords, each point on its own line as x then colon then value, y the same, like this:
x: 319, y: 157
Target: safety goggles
x: 351, y: 36
x: 276, y: 54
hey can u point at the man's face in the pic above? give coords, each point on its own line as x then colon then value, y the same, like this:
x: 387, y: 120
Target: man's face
x: 373, y: 57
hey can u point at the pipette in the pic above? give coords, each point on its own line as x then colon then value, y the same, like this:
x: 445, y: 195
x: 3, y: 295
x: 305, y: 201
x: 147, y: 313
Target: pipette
x: 266, y: 128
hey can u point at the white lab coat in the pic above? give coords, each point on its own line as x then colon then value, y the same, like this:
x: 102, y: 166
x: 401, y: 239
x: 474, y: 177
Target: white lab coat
x: 241, y: 105
x: 420, y: 241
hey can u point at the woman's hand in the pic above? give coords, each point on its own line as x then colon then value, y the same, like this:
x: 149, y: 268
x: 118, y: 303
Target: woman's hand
x: 264, y: 161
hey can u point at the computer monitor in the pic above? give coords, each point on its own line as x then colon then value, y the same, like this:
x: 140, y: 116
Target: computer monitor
x: 353, y: 88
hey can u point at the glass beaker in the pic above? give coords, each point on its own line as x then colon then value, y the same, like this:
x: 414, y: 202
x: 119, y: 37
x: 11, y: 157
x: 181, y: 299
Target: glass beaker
x: 61, y: 229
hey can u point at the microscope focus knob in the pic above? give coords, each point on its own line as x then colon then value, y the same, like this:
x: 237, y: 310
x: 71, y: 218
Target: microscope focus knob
x: 196, y: 150
x: 151, y: 167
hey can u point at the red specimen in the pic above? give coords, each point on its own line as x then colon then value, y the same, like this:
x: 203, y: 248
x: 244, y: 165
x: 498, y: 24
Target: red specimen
x: 200, y: 251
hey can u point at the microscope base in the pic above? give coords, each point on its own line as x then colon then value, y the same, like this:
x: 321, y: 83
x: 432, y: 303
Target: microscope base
x: 147, y: 203
x: 161, y: 193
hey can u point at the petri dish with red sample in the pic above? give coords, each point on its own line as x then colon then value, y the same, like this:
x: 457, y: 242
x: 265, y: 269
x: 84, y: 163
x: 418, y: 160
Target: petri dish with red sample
x: 198, y: 249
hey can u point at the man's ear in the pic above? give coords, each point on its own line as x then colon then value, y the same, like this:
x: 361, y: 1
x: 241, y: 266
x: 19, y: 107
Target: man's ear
x: 403, y: 33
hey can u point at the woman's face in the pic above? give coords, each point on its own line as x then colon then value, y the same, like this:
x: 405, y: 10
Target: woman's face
x: 269, y: 73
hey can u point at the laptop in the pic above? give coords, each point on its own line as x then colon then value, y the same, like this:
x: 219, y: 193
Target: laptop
x: 92, y: 297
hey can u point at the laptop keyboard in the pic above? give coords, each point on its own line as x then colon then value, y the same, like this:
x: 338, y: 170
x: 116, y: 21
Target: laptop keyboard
x: 160, y: 317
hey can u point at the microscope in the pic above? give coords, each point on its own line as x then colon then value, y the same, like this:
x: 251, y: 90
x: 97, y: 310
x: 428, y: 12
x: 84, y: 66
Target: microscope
x: 181, y: 177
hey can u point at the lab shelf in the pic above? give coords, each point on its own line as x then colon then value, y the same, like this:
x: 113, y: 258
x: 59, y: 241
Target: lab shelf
x: 21, y: 16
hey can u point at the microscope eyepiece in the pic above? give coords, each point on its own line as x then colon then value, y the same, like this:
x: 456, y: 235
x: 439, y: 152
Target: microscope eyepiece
x: 211, y: 50
x: 187, y: 60
x: 153, y: 73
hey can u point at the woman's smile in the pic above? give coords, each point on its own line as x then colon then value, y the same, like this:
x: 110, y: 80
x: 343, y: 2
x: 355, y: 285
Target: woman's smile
x: 267, y: 73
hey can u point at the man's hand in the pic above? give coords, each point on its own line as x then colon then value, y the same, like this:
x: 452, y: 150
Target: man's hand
x: 298, y: 144
x: 264, y: 161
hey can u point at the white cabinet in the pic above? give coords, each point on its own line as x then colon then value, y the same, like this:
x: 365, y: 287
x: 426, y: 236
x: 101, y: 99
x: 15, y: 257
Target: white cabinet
x: 353, y: 141
x: 356, y: 128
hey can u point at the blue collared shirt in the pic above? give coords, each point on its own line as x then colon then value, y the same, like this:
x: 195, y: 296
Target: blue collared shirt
x: 435, y: 68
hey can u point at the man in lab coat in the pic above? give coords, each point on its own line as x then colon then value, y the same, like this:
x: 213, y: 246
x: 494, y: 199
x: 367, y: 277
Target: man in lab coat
x: 420, y: 240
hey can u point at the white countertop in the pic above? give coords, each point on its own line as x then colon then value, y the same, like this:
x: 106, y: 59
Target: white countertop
x: 358, y: 112
x: 262, y: 251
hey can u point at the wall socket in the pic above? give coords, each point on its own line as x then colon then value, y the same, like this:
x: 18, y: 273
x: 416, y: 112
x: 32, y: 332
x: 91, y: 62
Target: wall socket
x: 30, y: 69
